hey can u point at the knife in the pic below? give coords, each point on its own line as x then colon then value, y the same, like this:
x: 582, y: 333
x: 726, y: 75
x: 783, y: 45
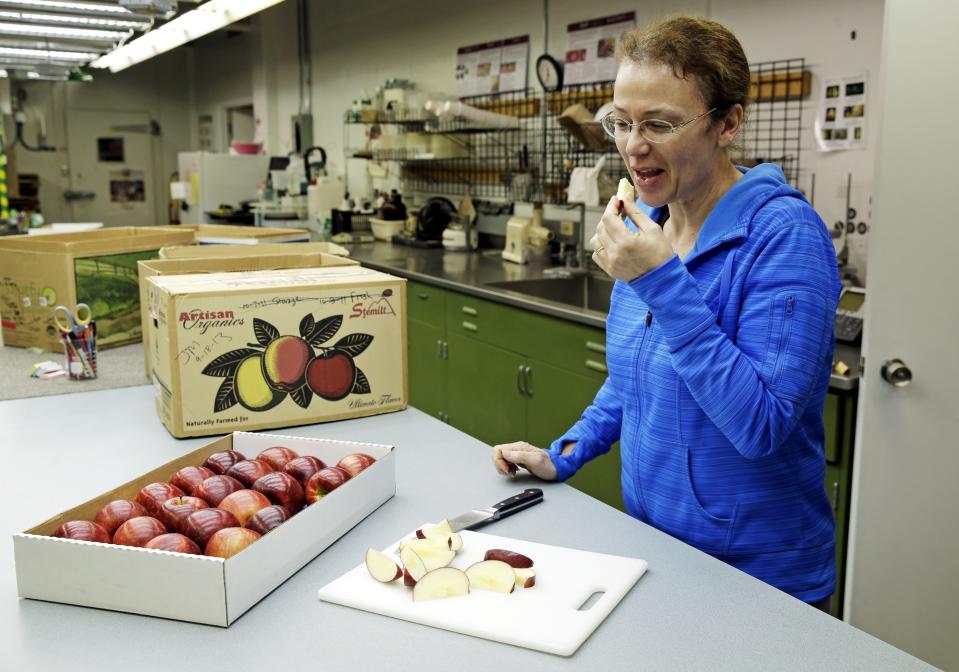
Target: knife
x: 479, y: 517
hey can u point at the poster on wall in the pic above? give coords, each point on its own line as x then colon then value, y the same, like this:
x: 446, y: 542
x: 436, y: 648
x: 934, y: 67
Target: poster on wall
x: 127, y: 188
x: 492, y: 67
x: 591, y: 48
x: 841, y: 119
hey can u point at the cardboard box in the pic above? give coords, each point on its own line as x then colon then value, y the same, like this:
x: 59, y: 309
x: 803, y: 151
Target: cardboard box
x: 230, y: 234
x: 210, y: 251
x: 38, y: 273
x: 198, y: 588
x: 221, y: 264
x: 276, y: 348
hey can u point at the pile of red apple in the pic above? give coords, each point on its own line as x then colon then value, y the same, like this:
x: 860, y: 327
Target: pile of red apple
x: 218, y: 508
x: 426, y: 566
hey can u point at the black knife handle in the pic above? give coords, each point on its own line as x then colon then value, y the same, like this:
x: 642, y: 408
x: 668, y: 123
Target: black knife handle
x: 523, y: 500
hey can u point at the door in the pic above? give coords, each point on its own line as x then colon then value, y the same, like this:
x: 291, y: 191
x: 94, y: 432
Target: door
x: 427, y: 368
x: 902, y: 584
x: 484, y: 395
x: 557, y: 399
x: 112, y: 177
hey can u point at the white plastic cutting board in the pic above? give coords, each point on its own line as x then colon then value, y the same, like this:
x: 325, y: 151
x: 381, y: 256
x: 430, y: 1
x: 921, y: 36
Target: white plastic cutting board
x: 545, y: 617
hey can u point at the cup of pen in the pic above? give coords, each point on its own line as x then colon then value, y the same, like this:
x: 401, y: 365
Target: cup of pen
x: 78, y: 333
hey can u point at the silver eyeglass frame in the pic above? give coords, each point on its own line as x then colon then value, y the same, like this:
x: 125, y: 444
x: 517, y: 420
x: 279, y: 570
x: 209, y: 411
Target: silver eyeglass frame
x: 673, y: 132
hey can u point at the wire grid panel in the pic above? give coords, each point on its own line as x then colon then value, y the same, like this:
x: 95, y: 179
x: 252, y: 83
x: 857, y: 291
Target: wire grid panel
x: 773, y: 129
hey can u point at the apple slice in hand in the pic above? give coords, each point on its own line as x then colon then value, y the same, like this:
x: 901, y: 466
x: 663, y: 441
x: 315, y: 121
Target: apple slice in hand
x: 440, y: 583
x: 381, y: 567
x: 525, y: 577
x: 493, y: 575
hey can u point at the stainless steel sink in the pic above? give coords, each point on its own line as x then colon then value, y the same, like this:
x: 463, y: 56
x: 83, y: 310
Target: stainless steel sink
x: 583, y: 291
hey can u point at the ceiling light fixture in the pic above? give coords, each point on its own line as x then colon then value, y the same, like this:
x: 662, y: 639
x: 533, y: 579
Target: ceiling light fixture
x: 210, y: 16
x: 87, y: 34
x: 69, y: 7
x: 132, y: 23
x: 46, y: 55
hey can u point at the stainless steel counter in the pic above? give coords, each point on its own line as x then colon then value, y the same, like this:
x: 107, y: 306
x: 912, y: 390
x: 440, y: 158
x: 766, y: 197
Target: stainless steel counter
x: 479, y: 273
x: 689, y: 612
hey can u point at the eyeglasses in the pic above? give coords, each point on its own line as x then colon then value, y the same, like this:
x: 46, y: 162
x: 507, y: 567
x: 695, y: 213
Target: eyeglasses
x: 653, y: 130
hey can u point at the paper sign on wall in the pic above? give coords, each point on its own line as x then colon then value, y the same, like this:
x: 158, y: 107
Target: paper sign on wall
x: 492, y: 67
x: 591, y: 48
x: 841, y: 119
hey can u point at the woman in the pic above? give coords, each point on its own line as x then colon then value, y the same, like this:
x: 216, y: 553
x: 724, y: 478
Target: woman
x: 719, y: 336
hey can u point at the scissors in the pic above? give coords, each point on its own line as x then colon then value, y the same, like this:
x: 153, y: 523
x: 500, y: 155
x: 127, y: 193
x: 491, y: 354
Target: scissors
x: 73, y: 321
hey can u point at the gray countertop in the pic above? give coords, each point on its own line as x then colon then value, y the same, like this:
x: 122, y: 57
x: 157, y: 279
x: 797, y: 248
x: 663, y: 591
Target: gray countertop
x: 472, y: 273
x: 689, y: 612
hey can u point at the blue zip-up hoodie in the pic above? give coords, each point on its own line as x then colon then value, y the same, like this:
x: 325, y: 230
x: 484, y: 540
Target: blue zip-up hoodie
x: 718, y: 370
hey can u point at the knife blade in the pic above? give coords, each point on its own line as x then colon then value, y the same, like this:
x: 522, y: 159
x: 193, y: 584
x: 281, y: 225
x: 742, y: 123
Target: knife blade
x: 479, y: 517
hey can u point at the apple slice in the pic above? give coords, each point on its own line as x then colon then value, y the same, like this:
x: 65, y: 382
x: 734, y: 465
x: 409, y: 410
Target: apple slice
x: 511, y: 558
x: 434, y: 553
x: 525, y: 577
x: 441, y: 529
x: 414, y: 564
x: 381, y: 567
x: 441, y: 583
x: 625, y: 190
x: 493, y: 575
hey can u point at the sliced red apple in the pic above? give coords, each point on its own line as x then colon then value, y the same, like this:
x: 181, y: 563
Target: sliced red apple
x: 511, y: 558
x: 442, y: 531
x: 414, y: 564
x: 493, y: 575
x: 441, y: 583
x: 381, y: 567
x: 525, y: 577
x: 435, y: 553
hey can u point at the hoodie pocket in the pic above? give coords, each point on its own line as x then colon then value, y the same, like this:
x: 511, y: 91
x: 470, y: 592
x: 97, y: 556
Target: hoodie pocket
x: 707, y: 531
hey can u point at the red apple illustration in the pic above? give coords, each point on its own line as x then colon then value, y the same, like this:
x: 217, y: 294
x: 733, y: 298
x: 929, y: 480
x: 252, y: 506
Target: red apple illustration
x: 331, y: 375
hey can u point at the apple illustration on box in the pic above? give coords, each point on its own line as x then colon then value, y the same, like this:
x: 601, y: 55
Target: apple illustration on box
x: 260, y: 376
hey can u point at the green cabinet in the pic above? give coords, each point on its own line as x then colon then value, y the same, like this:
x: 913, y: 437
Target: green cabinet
x: 839, y: 416
x: 427, y: 368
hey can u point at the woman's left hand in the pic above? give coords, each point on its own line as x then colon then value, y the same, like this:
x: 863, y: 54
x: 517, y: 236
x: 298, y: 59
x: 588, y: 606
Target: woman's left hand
x: 622, y: 253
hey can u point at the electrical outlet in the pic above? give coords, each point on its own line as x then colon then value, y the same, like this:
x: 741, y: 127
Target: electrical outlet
x: 566, y: 228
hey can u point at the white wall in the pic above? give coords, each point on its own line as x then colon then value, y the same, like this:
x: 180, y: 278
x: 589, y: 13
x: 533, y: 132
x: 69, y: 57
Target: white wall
x: 417, y: 39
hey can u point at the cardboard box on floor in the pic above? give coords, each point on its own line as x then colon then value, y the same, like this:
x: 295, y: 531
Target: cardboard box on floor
x: 232, y: 234
x: 38, y: 273
x: 198, y: 588
x: 210, y: 251
x: 263, y: 349
x: 218, y: 264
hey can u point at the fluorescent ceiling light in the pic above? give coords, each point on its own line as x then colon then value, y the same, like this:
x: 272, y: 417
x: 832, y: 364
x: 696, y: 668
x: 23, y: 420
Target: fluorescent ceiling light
x: 132, y: 23
x: 88, y: 34
x: 211, y: 16
x: 71, y: 7
x: 45, y: 55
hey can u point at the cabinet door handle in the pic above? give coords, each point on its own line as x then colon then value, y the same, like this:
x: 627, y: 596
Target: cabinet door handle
x: 439, y: 348
x: 469, y: 326
x: 422, y: 295
x: 528, y: 381
x: 470, y: 311
x: 596, y: 347
x: 521, y: 381
x: 446, y: 350
x: 835, y: 495
x: 596, y: 366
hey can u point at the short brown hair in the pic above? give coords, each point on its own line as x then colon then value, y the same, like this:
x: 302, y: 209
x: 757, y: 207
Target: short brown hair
x: 694, y: 47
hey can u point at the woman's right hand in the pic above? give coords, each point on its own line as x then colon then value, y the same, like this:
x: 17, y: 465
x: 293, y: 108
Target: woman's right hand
x: 508, y: 456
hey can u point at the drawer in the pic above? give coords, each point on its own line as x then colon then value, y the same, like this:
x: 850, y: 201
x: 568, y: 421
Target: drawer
x: 488, y: 321
x: 427, y: 304
x: 573, y: 347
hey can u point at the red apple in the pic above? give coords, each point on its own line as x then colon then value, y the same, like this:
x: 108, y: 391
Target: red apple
x: 282, y: 489
x: 188, y: 478
x: 215, y: 488
x: 266, y: 519
x: 175, y: 511
x: 201, y: 524
x: 83, y: 530
x: 301, y: 468
x: 355, y: 463
x: 230, y: 541
x: 138, y: 531
x: 324, y: 482
x: 244, y: 503
x: 219, y: 462
x: 117, y: 512
x: 152, y: 496
x: 247, y: 471
x: 277, y: 456
x: 174, y: 542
